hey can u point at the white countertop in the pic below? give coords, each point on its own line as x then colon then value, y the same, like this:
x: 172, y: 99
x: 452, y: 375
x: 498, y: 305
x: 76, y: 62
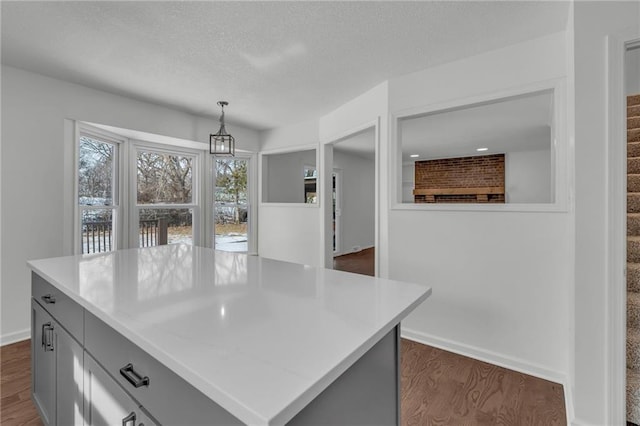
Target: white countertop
x: 261, y: 338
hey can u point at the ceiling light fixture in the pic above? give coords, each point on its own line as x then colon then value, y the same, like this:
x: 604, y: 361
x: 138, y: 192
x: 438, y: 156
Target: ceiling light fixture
x: 414, y: 155
x: 222, y: 143
x: 482, y: 149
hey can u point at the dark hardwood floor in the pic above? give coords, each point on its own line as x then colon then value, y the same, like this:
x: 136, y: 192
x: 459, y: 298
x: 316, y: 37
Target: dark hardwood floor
x: 361, y: 262
x: 443, y: 388
x: 16, y: 407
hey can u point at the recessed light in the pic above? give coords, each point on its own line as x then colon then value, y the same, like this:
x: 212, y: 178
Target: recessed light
x: 482, y: 149
x: 414, y: 155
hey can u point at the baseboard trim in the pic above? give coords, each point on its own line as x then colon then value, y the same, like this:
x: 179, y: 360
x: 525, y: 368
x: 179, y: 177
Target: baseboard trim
x: 494, y: 358
x: 15, y: 337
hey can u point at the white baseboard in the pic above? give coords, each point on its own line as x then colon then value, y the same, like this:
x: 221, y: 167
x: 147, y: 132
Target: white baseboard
x: 500, y: 360
x: 14, y: 337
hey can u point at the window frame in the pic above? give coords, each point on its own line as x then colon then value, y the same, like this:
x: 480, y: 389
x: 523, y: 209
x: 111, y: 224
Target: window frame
x: 197, y: 199
x: 119, y: 219
x: 252, y: 211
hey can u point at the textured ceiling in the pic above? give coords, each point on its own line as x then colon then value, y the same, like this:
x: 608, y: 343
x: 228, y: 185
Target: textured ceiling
x: 277, y: 63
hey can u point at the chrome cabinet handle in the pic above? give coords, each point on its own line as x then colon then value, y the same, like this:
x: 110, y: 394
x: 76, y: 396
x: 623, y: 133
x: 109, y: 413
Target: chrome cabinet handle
x: 47, y: 337
x: 132, y: 377
x: 48, y: 298
x: 130, y: 418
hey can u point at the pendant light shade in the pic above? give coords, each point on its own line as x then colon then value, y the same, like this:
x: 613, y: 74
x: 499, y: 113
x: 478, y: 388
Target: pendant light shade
x: 222, y: 143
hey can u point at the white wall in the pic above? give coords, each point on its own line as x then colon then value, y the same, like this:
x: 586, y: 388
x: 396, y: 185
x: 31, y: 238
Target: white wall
x: 501, y: 280
x: 287, y: 232
x: 593, y: 21
x: 408, y: 182
x: 283, y: 176
x: 357, y: 200
x: 33, y: 112
x: 527, y: 176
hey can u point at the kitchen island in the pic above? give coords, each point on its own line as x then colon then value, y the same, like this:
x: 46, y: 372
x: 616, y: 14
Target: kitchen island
x: 178, y: 334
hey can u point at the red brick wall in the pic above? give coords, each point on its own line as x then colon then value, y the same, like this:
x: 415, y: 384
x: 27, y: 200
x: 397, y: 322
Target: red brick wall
x: 464, y: 172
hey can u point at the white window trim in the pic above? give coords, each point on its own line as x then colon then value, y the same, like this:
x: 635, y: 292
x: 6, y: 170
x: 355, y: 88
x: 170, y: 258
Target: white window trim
x: 120, y: 175
x: 197, y: 217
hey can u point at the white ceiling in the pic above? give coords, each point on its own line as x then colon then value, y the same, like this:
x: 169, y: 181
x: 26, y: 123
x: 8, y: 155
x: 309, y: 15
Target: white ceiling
x: 521, y: 123
x: 277, y: 63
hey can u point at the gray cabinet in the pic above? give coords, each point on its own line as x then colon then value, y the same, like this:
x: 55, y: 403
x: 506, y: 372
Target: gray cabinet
x: 43, y: 364
x: 57, y: 363
x: 106, y: 403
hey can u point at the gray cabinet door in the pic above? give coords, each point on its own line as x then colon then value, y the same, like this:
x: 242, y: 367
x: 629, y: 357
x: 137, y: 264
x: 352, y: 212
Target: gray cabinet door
x: 105, y: 402
x: 43, y: 363
x: 70, y: 379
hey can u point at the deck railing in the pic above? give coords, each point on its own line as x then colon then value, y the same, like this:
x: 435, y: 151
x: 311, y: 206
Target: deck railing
x: 97, y: 237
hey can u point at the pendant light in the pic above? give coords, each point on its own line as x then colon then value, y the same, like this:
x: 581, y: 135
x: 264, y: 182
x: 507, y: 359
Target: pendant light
x: 222, y: 143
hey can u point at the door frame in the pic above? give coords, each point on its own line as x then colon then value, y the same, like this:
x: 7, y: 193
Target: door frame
x: 326, y: 176
x: 337, y: 230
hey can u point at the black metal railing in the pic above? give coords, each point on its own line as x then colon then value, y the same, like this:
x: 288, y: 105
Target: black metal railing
x: 153, y: 232
x: 97, y: 237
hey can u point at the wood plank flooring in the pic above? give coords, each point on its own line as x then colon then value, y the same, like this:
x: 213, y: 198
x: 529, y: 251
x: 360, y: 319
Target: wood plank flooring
x: 441, y: 388
x: 361, y: 262
x: 16, y: 407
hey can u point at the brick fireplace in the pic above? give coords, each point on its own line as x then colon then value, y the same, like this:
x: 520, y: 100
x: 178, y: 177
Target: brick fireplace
x: 477, y: 179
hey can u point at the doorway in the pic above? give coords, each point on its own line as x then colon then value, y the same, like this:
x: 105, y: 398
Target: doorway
x: 354, y: 202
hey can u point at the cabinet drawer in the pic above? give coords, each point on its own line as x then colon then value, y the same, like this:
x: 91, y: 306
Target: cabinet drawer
x: 105, y: 403
x: 169, y: 398
x: 65, y: 311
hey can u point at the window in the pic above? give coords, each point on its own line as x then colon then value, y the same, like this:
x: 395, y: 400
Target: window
x: 135, y: 193
x: 166, y: 202
x: 231, y: 206
x: 98, y: 193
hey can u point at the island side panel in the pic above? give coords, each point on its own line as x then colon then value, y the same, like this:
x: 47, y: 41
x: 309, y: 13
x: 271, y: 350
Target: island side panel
x: 368, y: 393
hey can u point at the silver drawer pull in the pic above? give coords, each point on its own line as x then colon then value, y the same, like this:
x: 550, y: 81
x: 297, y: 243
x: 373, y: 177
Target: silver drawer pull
x: 48, y: 298
x: 130, y: 418
x: 47, y: 337
x: 132, y: 377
